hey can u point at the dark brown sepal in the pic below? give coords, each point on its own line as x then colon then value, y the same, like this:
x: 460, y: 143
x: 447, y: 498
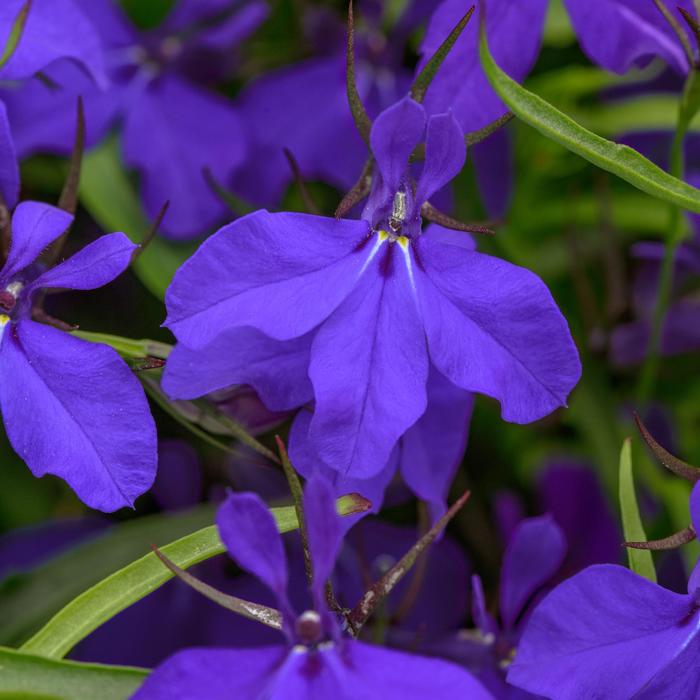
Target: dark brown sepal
x: 358, y: 191
x: 359, y: 113
x: 430, y: 213
x: 150, y: 234
x: 309, y: 204
x: 676, y: 540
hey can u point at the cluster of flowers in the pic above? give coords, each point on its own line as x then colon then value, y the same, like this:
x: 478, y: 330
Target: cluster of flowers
x: 375, y: 331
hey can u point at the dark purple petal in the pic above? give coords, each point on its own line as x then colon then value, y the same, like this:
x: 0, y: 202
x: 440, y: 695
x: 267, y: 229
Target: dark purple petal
x: 395, y: 133
x: 74, y: 409
x: 369, y: 368
x: 9, y: 168
x: 276, y: 369
x: 178, y: 484
x: 97, y: 264
x: 449, y: 236
x: 53, y: 29
x: 250, y: 534
x: 173, y: 130
x: 494, y: 168
x: 606, y: 633
x: 445, y: 153
x: 532, y: 557
x: 695, y: 506
x: 494, y: 328
x: 483, y: 619
x: 619, y: 34
x: 514, y: 31
x: 213, y: 674
x: 432, y: 448
x: 34, y: 226
x: 694, y: 580
x: 280, y: 273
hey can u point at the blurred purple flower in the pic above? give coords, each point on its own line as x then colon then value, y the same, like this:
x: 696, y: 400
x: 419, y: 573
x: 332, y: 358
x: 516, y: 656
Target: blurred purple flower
x: 355, y: 302
x: 171, y: 127
x: 70, y: 407
x: 610, y: 633
x: 317, y: 661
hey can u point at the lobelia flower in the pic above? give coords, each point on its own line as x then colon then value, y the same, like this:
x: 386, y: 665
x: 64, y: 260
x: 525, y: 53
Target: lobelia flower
x: 356, y: 314
x: 70, y: 407
x: 317, y: 660
x: 171, y: 127
x: 609, y: 633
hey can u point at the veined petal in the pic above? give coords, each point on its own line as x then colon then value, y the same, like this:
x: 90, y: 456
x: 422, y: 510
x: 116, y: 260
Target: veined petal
x: 277, y: 370
x: 445, y: 153
x: 494, y: 328
x: 74, y: 409
x: 34, y: 226
x: 94, y: 266
x: 280, y: 273
x: 9, y: 168
x: 395, y: 133
x: 369, y: 368
x: 607, y: 633
x: 432, y: 449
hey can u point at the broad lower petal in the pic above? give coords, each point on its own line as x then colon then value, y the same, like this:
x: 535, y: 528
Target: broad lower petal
x: 173, y: 131
x: 34, y: 226
x: 280, y: 273
x: 532, y: 557
x: 494, y: 328
x: 97, y: 264
x: 369, y: 368
x: 74, y: 409
x: 277, y: 370
x: 607, y: 633
x: 213, y: 674
x: 9, y: 168
x: 432, y: 449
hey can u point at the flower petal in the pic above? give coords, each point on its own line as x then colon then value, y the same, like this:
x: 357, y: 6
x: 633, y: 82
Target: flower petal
x: 532, y: 557
x: 277, y: 370
x: 74, y: 409
x: 395, y: 133
x: 280, y: 273
x: 34, y: 226
x: 432, y: 448
x: 494, y: 170
x: 174, y: 130
x: 369, y: 368
x: 606, y: 633
x: 213, y: 674
x: 97, y: 264
x: 445, y: 153
x: 250, y: 534
x: 494, y: 328
x: 9, y: 168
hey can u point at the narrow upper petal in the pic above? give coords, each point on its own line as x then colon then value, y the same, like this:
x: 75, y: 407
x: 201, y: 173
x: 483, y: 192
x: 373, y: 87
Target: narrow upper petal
x: 432, y: 448
x: 53, y: 29
x: 214, y: 674
x: 494, y: 328
x: 445, y: 153
x: 174, y: 130
x: 34, y: 226
x: 9, y: 168
x: 618, y: 34
x: 280, y: 273
x: 97, y: 264
x: 74, y: 409
x: 495, y: 172
x: 252, y: 538
x: 606, y: 633
x: 276, y: 369
x: 369, y: 368
x: 395, y: 133
x: 532, y: 557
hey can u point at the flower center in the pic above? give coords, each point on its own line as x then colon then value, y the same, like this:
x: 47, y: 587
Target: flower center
x: 9, y: 296
x: 309, y: 628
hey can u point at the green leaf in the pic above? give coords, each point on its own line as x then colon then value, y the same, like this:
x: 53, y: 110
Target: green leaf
x: 123, y: 588
x: 640, y: 560
x: 128, y: 347
x: 106, y: 192
x: 618, y: 159
x: 26, y: 677
x: 29, y: 599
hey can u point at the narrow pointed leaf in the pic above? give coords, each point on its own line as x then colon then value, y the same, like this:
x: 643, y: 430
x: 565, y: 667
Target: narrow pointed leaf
x: 640, y: 561
x: 617, y: 159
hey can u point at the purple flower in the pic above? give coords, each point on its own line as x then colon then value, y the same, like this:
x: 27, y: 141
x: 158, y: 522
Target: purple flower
x: 52, y: 30
x: 609, y: 633
x: 367, y: 307
x: 171, y: 127
x: 317, y: 660
x: 70, y: 407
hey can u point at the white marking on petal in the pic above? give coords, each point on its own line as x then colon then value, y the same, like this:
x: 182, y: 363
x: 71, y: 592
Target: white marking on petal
x: 4, y: 320
x: 405, y: 244
x: 382, y: 237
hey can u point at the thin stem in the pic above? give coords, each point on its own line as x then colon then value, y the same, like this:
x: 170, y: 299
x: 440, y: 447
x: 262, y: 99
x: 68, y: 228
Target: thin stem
x: 677, y: 30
